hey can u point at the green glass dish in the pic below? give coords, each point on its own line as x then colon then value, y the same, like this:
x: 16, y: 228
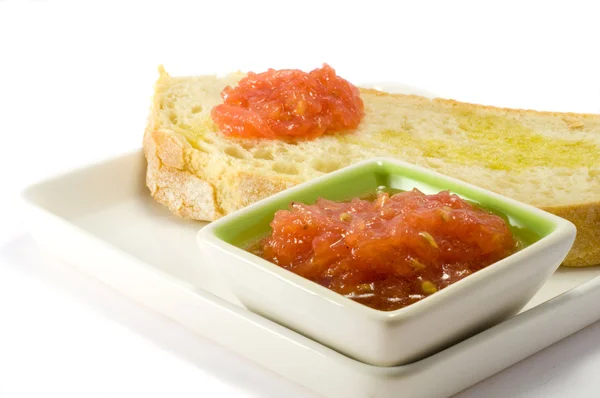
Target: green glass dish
x: 386, y: 338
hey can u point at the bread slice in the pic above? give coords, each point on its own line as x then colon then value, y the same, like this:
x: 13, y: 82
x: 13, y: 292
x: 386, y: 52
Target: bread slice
x: 550, y: 160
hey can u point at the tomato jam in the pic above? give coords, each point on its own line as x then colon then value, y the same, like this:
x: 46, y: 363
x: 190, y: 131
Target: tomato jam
x: 389, y: 251
x: 289, y: 103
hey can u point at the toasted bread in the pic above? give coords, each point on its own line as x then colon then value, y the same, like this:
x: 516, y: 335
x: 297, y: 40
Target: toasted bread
x: 549, y: 160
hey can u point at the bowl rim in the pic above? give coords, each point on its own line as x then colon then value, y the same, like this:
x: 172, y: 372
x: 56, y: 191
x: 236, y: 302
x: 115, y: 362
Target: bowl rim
x: 562, y: 229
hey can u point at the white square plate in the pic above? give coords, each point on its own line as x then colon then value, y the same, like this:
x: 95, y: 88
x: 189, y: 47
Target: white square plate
x: 122, y: 237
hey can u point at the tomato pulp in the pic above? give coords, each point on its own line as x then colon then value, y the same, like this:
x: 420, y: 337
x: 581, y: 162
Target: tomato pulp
x: 287, y: 104
x: 389, y: 252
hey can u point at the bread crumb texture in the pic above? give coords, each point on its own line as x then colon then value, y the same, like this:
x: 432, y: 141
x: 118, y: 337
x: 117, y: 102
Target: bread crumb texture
x: 549, y: 160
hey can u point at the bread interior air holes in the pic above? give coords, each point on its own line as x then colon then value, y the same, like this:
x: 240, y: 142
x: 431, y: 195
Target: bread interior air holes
x: 325, y: 165
x: 247, y: 144
x: 203, y: 148
x: 285, y: 168
x: 208, y: 140
x: 264, y: 154
x: 235, y: 152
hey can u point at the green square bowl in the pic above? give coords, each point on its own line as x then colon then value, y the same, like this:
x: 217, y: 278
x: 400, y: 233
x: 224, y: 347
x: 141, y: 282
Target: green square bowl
x: 386, y: 338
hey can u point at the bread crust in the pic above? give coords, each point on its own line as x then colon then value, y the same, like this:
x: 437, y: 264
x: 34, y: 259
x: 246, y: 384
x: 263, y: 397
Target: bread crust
x: 172, y: 182
x: 168, y: 175
x: 252, y: 187
x: 180, y: 191
x: 586, y: 217
x: 176, y: 179
x: 518, y: 111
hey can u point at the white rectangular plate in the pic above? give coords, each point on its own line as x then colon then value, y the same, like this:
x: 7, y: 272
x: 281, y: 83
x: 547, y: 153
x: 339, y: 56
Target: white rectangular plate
x: 103, y: 220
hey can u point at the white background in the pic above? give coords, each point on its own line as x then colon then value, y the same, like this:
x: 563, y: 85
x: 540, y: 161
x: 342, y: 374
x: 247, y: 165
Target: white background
x: 75, y: 85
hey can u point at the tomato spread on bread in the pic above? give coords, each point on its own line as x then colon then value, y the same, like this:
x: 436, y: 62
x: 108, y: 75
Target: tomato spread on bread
x: 389, y: 251
x: 289, y: 103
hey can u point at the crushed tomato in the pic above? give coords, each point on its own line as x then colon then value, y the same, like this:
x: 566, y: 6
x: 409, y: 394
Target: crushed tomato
x: 289, y: 103
x: 389, y: 252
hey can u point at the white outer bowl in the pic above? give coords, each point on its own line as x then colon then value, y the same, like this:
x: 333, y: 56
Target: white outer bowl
x: 389, y: 338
